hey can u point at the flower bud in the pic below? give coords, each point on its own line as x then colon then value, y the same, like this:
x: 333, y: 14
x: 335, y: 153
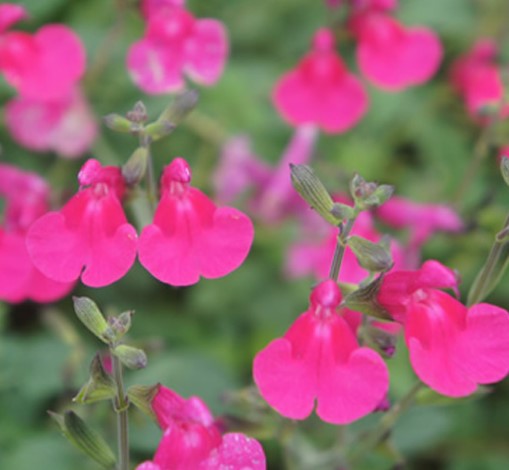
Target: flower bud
x: 118, y: 123
x: 121, y: 324
x: 375, y: 257
x: 90, y: 315
x: 369, y: 194
x: 181, y: 106
x: 138, y: 114
x: 364, y: 300
x: 84, y: 438
x: 133, y: 358
x: 134, y: 169
x: 312, y: 190
x: 100, y: 385
x: 382, y: 337
x: 159, y: 129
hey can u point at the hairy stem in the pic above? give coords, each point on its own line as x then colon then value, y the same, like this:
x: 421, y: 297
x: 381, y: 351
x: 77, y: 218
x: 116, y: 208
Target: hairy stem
x: 121, y: 405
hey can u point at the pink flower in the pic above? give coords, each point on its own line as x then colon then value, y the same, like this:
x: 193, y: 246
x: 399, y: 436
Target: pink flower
x: 313, y: 255
x: 477, y: 77
x: 192, y: 440
x: 90, y: 233
x: 423, y: 220
x: 452, y: 348
x: 190, y: 236
x: 176, y: 43
x: 65, y: 124
x: 391, y: 56
x: 10, y: 14
x: 43, y: 66
x: 320, y: 90
x: 319, y: 359
x: 26, y: 197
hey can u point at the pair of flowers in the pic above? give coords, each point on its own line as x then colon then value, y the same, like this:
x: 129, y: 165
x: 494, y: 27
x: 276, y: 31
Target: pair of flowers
x: 320, y: 90
x: 189, y: 237
x: 45, y: 68
x: 452, y: 348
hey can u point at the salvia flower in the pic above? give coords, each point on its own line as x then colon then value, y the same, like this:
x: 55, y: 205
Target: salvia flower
x: 389, y: 54
x: 90, y: 236
x: 191, y: 237
x: 452, y: 348
x: 319, y: 359
x: 477, y: 77
x: 26, y: 198
x: 193, y: 440
x: 176, y: 44
x: 320, y: 90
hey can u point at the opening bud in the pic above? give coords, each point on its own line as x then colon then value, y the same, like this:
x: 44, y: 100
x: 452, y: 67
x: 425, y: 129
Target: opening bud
x: 100, y: 385
x: 141, y: 396
x: 133, y: 358
x: 313, y: 191
x: 375, y: 257
x: 77, y: 432
x: 90, y: 315
x: 369, y: 194
x: 121, y: 324
x: 134, y: 169
x: 364, y: 300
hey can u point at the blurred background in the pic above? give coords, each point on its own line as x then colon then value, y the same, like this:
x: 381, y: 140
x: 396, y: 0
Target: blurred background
x: 201, y: 340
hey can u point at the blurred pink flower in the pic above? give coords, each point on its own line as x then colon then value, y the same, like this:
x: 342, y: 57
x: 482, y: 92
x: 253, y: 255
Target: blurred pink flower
x: 10, y: 14
x: 89, y: 236
x: 26, y: 198
x: 477, y: 77
x: 190, y: 236
x: 319, y: 359
x: 192, y: 440
x: 64, y: 125
x: 422, y: 220
x: 45, y: 65
x: 320, y: 90
x: 176, y: 43
x: 392, y: 56
x: 452, y: 348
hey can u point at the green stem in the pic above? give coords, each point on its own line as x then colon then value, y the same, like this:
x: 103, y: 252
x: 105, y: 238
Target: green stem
x: 150, y: 174
x: 481, y: 286
x: 339, y: 252
x: 121, y: 405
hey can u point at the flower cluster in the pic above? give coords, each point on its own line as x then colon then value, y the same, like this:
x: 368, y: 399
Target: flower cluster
x: 321, y: 91
x: 50, y: 112
x: 190, y: 237
x: 192, y: 439
x: 176, y: 43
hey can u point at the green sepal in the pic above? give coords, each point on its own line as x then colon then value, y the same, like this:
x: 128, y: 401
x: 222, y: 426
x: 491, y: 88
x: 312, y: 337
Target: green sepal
x: 134, y: 169
x: 90, y: 315
x: 77, y: 432
x: 179, y: 108
x: 141, y: 397
x: 364, y: 300
x: 382, y: 341
x: 375, y: 257
x: 312, y: 190
x: 100, y: 385
x: 121, y: 324
x: 159, y: 129
x: 118, y: 123
x: 131, y: 357
x: 367, y: 194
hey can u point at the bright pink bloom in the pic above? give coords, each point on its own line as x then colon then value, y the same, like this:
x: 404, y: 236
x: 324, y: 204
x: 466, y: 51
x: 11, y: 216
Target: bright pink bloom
x: 452, y: 348
x: 319, y: 359
x: 90, y: 233
x: 10, y: 14
x: 45, y: 65
x: 190, y: 236
x: 26, y: 196
x: 313, y: 255
x: 176, y: 43
x: 320, y: 90
x: 391, y: 56
x: 192, y: 440
x: 477, y: 77
x: 423, y: 220
x: 64, y: 125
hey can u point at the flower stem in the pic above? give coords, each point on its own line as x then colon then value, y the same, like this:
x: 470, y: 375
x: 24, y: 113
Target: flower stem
x: 340, y: 248
x: 150, y: 175
x: 121, y: 405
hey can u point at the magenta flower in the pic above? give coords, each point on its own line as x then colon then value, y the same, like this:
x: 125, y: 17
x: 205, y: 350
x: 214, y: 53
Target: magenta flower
x: 176, y: 43
x: 320, y: 90
x: 391, y: 56
x: 422, y: 220
x: 452, y: 348
x: 10, y: 14
x: 190, y: 236
x: 43, y: 66
x: 64, y: 125
x: 90, y: 233
x: 26, y: 196
x: 192, y: 440
x: 319, y: 359
x: 477, y: 77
